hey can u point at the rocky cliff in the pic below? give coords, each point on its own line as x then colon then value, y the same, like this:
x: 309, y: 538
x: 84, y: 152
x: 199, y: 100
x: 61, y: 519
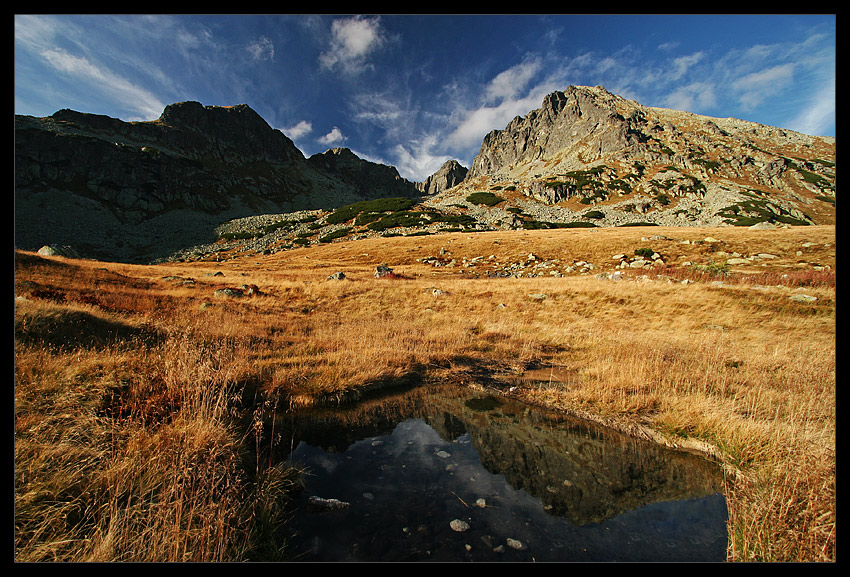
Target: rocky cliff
x: 370, y: 179
x: 138, y: 190
x: 450, y: 174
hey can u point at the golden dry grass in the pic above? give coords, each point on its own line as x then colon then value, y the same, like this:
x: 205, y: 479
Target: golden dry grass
x: 110, y: 426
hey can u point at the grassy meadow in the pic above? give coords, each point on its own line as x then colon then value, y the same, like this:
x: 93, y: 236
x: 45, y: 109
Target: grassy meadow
x: 139, y: 392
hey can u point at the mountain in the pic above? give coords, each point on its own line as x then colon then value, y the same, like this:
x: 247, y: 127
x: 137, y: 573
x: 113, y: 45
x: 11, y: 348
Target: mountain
x: 137, y: 190
x: 589, y: 154
x: 213, y: 177
x: 450, y: 174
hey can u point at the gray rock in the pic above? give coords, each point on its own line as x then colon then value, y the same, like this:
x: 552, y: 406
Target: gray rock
x: 57, y: 250
x: 803, y: 298
x: 228, y: 292
x: 383, y: 270
x: 320, y: 503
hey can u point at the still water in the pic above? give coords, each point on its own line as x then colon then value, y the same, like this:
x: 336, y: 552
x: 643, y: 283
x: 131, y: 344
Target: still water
x: 449, y: 474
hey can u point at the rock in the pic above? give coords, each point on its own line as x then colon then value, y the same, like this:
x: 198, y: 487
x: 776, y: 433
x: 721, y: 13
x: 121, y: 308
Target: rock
x: 339, y: 275
x: 459, y: 525
x: 228, y: 292
x: 763, y: 225
x: 251, y: 289
x: 737, y: 261
x: 539, y: 296
x: 326, y: 504
x: 57, y: 250
x: 382, y: 270
x: 803, y: 298
x: 449, y: 175
x: 515, y: 544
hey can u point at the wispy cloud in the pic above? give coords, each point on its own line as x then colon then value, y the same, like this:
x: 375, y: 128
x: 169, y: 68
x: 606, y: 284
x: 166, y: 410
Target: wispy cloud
x: 112, y: 85
x: 755, y: 87
x: 818, y: 116
x: 693, y: 96
x: 507, y: 84
x: 261, y: 49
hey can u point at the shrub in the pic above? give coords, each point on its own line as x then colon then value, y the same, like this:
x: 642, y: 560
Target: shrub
x: 486, y: 198
x: 335, y: 234
x: 349, y: 211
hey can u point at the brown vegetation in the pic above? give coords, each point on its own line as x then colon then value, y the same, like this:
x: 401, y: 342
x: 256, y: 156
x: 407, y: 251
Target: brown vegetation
x: 138, y: 392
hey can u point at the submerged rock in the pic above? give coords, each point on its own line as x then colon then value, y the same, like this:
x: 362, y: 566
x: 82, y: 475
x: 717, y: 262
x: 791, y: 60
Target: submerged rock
x: 459, y: 525
x: 318, y: 503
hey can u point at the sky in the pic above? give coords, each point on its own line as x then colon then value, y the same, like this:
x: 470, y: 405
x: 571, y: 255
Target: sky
x: 413, y: 91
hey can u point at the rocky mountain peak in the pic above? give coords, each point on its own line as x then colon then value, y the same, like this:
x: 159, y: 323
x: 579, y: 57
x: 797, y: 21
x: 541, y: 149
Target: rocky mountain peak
x: 450, y: 174
x: 586, y: 150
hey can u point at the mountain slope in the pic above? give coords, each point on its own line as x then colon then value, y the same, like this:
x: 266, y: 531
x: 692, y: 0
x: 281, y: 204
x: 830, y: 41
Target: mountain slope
x: 137, y: 190
x: 589, y: 152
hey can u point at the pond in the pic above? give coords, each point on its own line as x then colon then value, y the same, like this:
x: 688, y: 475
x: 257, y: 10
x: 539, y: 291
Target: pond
x: 451, y: 474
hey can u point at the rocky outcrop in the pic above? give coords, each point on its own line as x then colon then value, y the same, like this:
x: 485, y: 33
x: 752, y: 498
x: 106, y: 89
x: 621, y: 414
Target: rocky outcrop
x: 369, y: 179
x: 450, y: 174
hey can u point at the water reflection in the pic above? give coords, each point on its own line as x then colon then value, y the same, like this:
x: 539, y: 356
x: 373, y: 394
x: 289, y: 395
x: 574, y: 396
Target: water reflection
x: 529, y: 484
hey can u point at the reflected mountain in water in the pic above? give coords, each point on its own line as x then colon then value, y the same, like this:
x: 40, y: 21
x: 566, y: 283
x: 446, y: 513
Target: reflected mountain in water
x: 409, y: 463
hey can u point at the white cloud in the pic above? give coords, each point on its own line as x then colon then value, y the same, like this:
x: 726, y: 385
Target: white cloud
x: 683, y: 64
x: 300, y: 130
x: 757, y: 86
x: 694, y: 97
x: 333, y: 137
x: 818, y: 118
x: 510, y: 82
x: 415, y: 159
x: 261, y: 49
x: 352, y: 41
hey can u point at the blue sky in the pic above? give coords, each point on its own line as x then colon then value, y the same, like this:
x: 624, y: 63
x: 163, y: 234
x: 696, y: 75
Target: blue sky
x: 414, y: 91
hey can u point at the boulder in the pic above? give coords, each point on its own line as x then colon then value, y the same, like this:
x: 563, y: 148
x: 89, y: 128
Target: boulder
x: 57, y: 250
x: 382, y: 270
